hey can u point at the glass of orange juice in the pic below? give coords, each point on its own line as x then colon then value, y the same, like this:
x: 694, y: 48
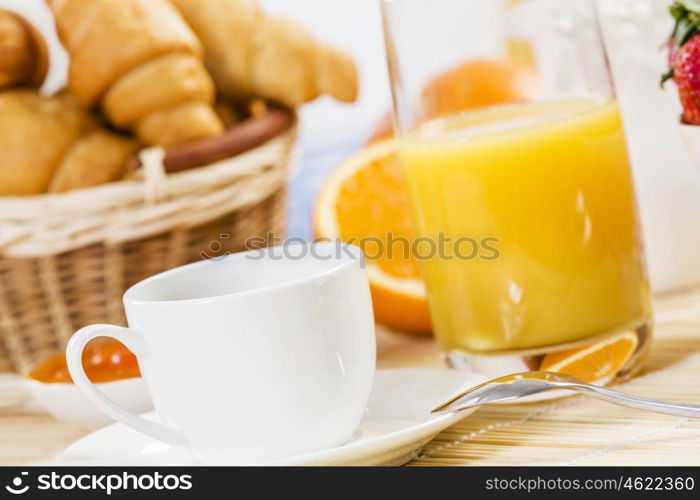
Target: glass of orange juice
x: 514, y: 158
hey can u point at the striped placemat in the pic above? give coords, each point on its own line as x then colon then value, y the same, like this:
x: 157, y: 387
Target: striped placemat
x: 572, y: 431
x: 582, y: 431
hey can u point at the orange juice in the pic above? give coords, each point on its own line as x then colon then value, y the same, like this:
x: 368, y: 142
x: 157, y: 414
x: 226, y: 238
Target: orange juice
x: 549, y: 186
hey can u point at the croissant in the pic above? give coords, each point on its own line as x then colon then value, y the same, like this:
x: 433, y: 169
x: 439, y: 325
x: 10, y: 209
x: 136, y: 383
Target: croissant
x: 252, y: 54
x: 95, y: 159
x: 52, y: 144
x: 23, y: 53
x: 142, y: 64
x: 36, y: 133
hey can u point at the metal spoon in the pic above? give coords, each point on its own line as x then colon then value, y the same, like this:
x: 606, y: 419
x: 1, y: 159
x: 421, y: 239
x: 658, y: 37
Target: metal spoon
x: 526, y: 384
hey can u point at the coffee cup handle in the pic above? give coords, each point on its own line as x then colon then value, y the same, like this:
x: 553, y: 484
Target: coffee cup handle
x: 134, y: 341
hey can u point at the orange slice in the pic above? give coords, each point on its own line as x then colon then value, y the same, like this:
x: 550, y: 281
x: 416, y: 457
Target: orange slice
x: 363, y: 202
x: 594, y: 363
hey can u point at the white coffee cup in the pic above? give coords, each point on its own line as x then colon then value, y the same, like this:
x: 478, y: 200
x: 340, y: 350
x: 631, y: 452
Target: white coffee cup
x: 256, y: 356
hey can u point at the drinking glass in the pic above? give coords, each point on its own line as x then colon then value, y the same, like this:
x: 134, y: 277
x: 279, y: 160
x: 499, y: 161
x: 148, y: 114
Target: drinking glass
x: 515, y: 163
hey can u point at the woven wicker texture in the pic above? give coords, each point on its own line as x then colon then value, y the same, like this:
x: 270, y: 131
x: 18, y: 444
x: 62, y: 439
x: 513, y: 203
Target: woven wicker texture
x: 66, y: 260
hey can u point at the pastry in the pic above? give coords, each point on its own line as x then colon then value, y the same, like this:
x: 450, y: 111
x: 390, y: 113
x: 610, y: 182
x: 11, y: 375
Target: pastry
x: 23, y: 53
x: 95, y: 159
x: 252, y: 54
x: 140, y: 61
x: 35, y: 134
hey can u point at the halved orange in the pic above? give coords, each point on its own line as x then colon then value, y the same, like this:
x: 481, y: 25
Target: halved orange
x: 595, y: 363
x: 363, y: 202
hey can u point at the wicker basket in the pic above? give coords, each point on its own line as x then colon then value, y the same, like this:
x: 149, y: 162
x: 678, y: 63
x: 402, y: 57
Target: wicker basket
x: 66, y: 260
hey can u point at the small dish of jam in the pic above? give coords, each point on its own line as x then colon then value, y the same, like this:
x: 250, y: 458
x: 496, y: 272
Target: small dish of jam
x: 107, y: 363
x: 104, y: 360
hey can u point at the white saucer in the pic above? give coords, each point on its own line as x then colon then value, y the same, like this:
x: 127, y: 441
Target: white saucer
x: 396, y: 426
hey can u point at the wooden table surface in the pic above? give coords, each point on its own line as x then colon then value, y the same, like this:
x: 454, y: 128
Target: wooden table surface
x: 577, y: 430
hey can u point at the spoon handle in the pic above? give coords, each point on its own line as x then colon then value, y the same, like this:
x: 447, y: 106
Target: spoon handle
x: 640, y: 403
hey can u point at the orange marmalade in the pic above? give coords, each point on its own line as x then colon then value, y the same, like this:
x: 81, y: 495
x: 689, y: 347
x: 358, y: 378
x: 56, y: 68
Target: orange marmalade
x: 104, y: 360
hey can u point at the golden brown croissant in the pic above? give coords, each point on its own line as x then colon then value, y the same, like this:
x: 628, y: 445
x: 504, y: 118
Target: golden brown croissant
x: 23, y: 53
x: 36, y: 134
x: 141, y: 62
x: 97, y: 158
x: 250, y: 53
x: 51, y: 144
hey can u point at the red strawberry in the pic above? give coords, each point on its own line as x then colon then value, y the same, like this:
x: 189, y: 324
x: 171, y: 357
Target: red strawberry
x: 686, y: 74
